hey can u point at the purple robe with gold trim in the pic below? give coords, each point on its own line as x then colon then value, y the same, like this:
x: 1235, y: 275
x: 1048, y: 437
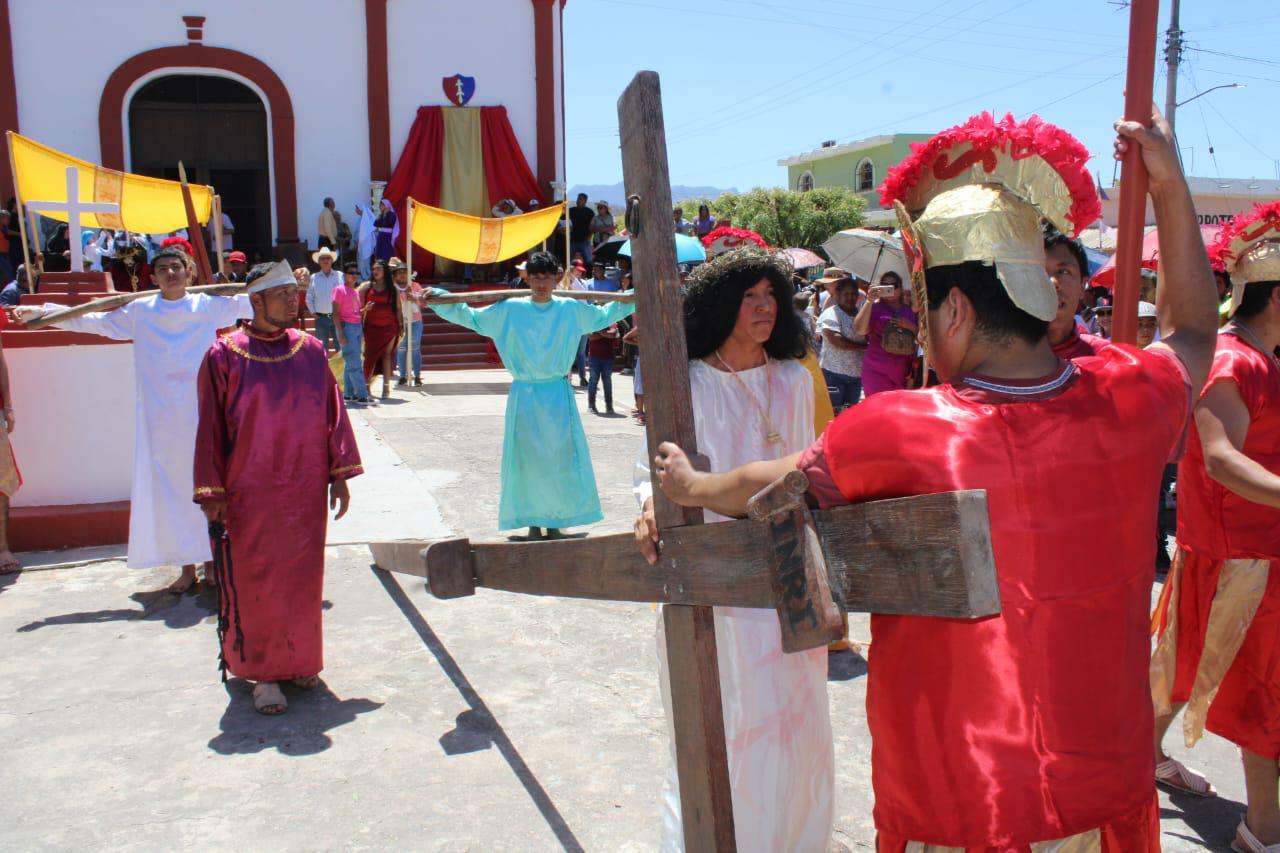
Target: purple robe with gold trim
x: 273, y: 434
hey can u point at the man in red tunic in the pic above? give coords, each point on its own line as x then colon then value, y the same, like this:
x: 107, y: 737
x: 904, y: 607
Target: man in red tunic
x: 1219, y: 652
x: 1005, y: 733
x: 273, y: 445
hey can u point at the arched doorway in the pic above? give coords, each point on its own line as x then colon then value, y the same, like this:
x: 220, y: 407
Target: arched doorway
x: 217, y: 127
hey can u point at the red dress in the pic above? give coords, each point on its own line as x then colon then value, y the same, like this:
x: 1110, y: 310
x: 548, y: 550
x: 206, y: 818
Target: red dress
x: 1034, y: 724
x: 1216, y: 526
x: 273, y: 433
x: 381, y: 328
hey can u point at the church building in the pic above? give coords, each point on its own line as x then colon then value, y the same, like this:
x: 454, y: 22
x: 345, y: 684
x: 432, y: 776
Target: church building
x: 280, y: 104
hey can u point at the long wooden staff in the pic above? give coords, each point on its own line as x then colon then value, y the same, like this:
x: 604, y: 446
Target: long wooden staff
x: 500, y: 295
x: 216, y: 221
x: 204, y: 273
x: 406, y: 310
x: 108, y: 303
x: 1143, y: 21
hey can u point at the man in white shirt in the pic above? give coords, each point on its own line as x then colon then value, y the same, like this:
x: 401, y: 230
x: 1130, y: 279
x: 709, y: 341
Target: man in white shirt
x: 842, y: 350
x: 320, y: 295
x: 327, y: 226
x: 228, y: 233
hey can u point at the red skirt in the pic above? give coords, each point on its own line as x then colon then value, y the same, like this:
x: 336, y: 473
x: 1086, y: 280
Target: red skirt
x: 380, y: 336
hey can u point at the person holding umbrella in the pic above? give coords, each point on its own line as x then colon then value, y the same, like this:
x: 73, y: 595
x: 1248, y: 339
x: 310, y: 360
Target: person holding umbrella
x: 889, y: 325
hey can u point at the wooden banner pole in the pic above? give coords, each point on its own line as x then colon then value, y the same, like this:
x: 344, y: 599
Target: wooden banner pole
x: 1143, y: 22
x: 407, y: 309
x: 218, y: 236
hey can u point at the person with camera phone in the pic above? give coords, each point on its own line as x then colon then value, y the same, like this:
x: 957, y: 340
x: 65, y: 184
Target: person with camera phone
x: 889, y: 326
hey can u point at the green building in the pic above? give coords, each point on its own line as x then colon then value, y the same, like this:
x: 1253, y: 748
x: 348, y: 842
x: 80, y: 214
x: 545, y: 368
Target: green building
x: 861, y: 166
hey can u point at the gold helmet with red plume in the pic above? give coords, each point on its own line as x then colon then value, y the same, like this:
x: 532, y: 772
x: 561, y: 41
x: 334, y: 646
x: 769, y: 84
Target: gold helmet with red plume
x: 1248, y: 248
x: 977, y: 192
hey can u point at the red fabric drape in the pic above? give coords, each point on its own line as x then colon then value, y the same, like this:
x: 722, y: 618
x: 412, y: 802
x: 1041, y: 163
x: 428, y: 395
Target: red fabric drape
x: 418, y: 173
x: 506, y: 171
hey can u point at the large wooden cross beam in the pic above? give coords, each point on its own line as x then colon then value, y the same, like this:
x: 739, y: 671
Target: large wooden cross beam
x: 928, y: 556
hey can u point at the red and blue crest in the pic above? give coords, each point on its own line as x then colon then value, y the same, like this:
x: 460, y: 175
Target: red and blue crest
x: 459, y: 89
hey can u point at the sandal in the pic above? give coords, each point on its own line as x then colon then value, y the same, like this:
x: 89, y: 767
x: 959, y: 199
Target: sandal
x: 8, y: 563
x: 1176, y: 776
x: 1246, y: 842
x: 307, y: 683
x: 267, y: 699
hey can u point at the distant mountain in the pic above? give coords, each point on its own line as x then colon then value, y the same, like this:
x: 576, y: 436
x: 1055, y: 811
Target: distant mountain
x: 616, y: 195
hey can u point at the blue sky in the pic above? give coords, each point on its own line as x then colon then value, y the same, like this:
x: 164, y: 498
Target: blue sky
x: 746, y: 83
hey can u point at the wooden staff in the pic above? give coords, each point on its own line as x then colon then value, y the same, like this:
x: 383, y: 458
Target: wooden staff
x: 217, y: 235
x: 203, y: 272
x: 500, y: 295
x: 22, y: 221
x: 407, y: 309
x: 1143, y: 22
x: 34, y: 229
x: 108, y: 303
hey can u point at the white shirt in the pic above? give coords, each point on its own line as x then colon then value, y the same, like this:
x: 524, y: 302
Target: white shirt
x: 320, y: 294
x: 847, y: 362
x: 228, y: 233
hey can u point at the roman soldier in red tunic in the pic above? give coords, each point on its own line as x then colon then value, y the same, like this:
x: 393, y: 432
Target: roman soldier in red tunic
x: 1219, y: 650
x: 1030, y: 726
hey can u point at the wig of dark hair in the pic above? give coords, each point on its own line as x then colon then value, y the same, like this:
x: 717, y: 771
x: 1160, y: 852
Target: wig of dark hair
x: 715, y: 293
x: 171, y: 252
x: 257, y: 271
x: 998, y: 319
x: 1256, y: 296
x: 1053, y: 238
x: 542, y: 263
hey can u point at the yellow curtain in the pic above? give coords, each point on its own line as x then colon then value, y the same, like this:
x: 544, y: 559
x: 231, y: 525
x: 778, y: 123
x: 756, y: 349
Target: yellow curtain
x: 462, y: 186
x: 476, y: 240
x: 147, y: 205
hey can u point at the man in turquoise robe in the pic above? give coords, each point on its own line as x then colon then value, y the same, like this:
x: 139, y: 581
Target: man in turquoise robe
x: 547, y: 479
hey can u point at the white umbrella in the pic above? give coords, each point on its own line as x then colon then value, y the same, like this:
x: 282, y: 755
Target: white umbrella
x: 867, y: 254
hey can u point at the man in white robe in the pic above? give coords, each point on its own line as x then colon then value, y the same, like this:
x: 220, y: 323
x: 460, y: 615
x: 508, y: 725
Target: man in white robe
x: 171, y: 331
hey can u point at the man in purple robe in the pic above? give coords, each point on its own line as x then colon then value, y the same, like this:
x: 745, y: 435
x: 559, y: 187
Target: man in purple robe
x: 273, y: 444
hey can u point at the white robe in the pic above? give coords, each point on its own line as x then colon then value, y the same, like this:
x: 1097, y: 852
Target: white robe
x: 170, y: 339
x: 776, y: 717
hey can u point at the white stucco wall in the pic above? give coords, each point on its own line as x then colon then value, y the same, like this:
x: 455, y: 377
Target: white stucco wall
x: 75, y: 423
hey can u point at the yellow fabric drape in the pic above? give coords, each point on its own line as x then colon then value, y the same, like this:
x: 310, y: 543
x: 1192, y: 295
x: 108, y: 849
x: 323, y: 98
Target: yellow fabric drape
x: 147, y: 205
x: 473, y: 240
x: 462, y: 185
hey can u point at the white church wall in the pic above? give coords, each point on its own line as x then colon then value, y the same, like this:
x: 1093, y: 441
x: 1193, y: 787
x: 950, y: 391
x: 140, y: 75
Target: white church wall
x: 73, y: 448
x: 490, y: 40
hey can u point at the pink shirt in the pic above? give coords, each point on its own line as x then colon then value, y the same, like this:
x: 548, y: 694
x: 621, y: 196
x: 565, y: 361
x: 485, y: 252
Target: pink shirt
x: 346, y: 304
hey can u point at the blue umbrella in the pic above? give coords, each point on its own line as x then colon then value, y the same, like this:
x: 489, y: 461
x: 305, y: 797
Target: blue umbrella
x: 688, y: 250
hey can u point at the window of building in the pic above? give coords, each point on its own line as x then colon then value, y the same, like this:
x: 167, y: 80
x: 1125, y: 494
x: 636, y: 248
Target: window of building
x: 806, y: 182
x: 865, y: 176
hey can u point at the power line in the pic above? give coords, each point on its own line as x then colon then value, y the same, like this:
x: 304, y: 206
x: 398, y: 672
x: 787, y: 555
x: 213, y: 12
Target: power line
x: 1237, y: 132
x: 1270, y: 62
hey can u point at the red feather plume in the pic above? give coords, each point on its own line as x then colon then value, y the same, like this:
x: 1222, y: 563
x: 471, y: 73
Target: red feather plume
x: 1220, y: 255
x: 1062, y: 151
x: 181, y: 242
x: 729, y: 231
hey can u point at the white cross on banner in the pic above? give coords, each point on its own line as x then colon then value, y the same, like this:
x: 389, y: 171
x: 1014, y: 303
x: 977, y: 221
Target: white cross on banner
x: 74, y: 208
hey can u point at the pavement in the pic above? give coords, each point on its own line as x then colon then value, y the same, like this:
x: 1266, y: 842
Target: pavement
x: 496, y: 722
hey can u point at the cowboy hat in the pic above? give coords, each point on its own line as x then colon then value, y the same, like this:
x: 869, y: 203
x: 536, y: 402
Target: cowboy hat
x: 324, y: 251
x: 394, y: 264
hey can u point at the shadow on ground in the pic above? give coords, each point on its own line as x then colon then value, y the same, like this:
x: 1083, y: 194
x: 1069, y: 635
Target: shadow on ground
x: 8, y: 579
x: 302, y: 730
x: 176, y: 611
x: 1212, y: 819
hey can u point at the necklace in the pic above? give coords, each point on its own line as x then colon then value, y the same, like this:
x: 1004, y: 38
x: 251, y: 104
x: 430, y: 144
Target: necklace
x: 771, y: 435
x: 1244, y: 332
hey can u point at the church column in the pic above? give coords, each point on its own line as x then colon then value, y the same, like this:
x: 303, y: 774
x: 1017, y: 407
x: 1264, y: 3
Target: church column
x: 544, y: 64
x: 8, y: 94
x: 375, y: 21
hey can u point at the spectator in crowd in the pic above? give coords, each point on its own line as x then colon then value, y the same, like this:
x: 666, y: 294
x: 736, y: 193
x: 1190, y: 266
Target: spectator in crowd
x: 842, y: 347
x: 600, y: 280
x: 410, y: 301
x: 302, y: 276
x: 602, y: 224
x: 600, y: 357
x: 228, y: 232
x: 387, y: 226
x: 580, y: 219
x: 6, y: 267
x: 320, y: 295
x: 682, y: 225
x: 57, y: 251
x: 237, y: 266
x: 504, y: 208
x: 800, y: 302
x: 824, y: 291
x: 12, y: 293
x: 345, y: 305
x: 380, y: 309
x: 1146, y: 324
x: 632, y: 339
x: 889, y: 326
x: 327, y: 226
x: 14, y: 234
x: 705, y: 223
x: 345, y: 250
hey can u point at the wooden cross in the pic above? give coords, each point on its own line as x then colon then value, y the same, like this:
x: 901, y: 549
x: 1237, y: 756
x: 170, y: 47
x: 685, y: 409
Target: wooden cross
x: 928, y: 555
x: 74, y: 208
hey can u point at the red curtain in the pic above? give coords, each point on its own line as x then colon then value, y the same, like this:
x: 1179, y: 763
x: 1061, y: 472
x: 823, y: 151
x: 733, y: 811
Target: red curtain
x: 418, y: 174
x: 506, y: 171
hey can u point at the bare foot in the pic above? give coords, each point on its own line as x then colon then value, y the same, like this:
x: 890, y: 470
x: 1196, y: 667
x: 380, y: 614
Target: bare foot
x: 184, y: 582
x: 268, y: 699
x: 8, y: 562
x: 306, y: 683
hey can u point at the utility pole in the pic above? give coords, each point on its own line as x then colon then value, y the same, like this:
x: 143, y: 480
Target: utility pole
x: 1172, y: 54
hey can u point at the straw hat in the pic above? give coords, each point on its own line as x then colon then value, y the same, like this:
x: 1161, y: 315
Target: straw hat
x: 324, y: 252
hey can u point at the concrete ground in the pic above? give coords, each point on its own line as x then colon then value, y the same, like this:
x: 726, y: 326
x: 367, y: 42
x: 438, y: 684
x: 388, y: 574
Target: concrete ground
x: 497, y: 722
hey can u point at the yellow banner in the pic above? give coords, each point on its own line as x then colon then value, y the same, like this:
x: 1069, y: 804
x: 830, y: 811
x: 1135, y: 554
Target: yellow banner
x: 147, y: 205
x: 476, y: 240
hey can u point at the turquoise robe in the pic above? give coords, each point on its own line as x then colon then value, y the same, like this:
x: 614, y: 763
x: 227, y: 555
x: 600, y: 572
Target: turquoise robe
x: 547, y: 479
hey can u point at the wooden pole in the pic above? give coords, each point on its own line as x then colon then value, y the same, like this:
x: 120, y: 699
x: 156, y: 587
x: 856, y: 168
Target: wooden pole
x: 204, y: 274
x: 408, y: 290
x: 107, y: 303
x: 706, y: 805
x: 35, y: 235
x: 217, y: 235
x: 1143, y: 23
x: 22, y: 220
